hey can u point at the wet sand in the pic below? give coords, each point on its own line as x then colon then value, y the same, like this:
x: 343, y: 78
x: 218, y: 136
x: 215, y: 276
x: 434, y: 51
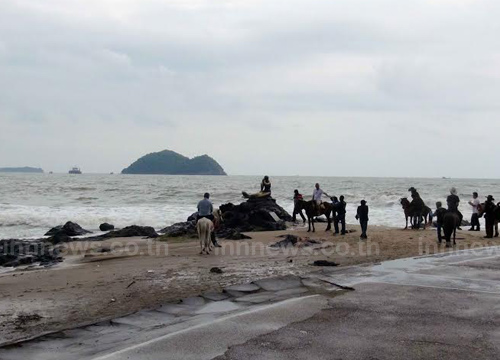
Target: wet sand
x: 89, y: 287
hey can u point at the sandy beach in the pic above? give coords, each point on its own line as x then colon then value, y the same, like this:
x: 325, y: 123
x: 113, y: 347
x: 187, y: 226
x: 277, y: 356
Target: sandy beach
x: 133, y: 274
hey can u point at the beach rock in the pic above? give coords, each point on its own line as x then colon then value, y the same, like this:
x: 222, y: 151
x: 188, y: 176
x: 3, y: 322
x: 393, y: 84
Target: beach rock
x: 106, y: 227
x: 132, y: 231
x: 254, y: 215
x: 193, y: 217
x: 183, y: 229
x: 216, y: 270
x: 232, y: 234
x: 15, y: 252
x: 60, y: 237
x: 70, y: 229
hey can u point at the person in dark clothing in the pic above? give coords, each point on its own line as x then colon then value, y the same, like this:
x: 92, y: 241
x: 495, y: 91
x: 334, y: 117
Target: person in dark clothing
x: 417, y: 207
x: 296, y: 198
x: 265, y: 185
x: 489, y: 216
x: 439, y: 214
x: 453, y: 202
x: 362, y: 216
x: 341, y: 211
x: 335, y: 218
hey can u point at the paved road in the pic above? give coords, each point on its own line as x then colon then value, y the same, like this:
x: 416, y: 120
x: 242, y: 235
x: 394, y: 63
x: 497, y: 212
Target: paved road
x: 437, y: 307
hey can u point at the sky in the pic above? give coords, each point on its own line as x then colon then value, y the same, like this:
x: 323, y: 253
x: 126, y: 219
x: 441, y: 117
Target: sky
x: 280, y: 87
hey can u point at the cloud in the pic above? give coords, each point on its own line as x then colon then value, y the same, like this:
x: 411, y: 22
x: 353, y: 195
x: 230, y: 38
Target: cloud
x: 248, y: 80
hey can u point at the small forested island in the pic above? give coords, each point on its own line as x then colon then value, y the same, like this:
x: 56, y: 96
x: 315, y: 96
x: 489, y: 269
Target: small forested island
x: 169, y: 162
x: 25, y: 169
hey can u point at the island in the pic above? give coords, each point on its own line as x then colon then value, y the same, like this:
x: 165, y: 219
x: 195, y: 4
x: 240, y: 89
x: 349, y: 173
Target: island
x: 169, y: 162
x: 25, y: 169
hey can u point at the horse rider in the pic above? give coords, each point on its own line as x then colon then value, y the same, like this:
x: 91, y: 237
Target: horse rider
x: 417, y: 207
x: 335, y: 217
x: 453, y: 202
x: 317, y: 195
x: 206, y: 210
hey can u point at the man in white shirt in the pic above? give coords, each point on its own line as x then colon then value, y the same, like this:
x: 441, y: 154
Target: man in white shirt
x: 476, y: 226
x: 317, y: 195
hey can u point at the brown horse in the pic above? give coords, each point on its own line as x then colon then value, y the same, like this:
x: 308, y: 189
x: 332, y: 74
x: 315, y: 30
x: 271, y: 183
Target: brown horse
x: 410, y: 214
x: 312, y: 211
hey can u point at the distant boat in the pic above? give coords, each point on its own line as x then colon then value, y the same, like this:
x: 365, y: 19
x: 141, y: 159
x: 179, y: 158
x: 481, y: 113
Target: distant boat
x: 75, y: 170
x: 51, y: 173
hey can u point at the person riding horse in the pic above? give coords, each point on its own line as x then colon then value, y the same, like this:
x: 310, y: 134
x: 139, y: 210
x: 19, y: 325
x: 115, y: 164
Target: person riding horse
x: 206, y: 210
x: 453, y: 202
x: 317, y: 195
x: 417, y: 207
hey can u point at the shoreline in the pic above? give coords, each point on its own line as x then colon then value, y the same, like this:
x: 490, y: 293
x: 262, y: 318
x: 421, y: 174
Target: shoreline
x: 144, y: 274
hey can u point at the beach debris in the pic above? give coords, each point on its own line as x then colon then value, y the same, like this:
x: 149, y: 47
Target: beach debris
x: 337, y: 285
x: 232, y: 234
x: 293, y: 240
x: 106, y: 227
x: 112, y: 300
x: 324, y: 263
x: 289, y: 241
x: 216, y: 270
x: 151, y: 271
x: 22, y: 319
x: 132, y: 283
x: 70, y: 229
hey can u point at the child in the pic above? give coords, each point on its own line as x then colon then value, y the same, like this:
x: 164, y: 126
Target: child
x: 362, y: 216
x: 439, y: 214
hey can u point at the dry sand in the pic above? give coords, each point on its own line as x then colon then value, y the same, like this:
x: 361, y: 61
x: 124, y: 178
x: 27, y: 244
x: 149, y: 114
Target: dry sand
x: 91, y: 287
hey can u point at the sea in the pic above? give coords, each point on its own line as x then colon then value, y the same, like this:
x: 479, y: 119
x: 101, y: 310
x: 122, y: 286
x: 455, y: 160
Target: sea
x: 31, y: 204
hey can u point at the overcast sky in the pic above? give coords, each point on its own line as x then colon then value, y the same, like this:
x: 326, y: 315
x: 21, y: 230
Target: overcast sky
x: 292, y: 87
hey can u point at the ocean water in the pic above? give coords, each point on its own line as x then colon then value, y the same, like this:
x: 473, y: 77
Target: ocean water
x: 30, y: 204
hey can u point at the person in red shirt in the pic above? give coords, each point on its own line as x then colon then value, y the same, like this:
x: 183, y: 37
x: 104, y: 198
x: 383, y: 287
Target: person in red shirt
x: 297, y: 197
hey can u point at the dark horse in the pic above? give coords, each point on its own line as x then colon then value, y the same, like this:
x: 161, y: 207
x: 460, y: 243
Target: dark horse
x: 312, y: 211
x: 450, y: 224
x: 410, y: 214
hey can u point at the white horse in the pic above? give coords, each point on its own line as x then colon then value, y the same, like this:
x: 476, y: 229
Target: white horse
x: 205, y: 228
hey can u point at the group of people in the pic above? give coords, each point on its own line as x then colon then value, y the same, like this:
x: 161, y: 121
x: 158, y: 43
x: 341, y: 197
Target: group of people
x: 338, y: 210
x: 489, y: 209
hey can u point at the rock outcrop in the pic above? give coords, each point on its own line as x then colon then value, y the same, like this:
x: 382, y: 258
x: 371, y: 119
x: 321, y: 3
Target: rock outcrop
x: 70, y: 229
x: 18, y: 252
x: 251, y: 215
x: 106, y: 227
x: 130, y: 231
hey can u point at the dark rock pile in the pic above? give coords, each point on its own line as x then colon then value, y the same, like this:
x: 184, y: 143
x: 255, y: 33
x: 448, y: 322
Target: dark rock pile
x: 106, y: 227
x: 18, y: 252
x: 69, y: 229
x: 251, y: 215
x: 129, y: 231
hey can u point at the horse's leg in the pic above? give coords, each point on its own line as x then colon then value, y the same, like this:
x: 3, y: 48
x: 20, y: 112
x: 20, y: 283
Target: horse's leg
x: 406, y: 227
x: 329, y: 227
x: 309, y: 222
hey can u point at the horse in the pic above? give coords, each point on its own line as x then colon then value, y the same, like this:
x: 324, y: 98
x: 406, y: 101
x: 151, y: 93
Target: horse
x: 206, y: 231
x: 409, y: 213
x: 450, y: 224
x: 311, y: 210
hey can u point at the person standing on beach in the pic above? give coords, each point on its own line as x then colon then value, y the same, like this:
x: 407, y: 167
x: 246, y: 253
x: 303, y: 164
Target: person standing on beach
x: 317, y: 196
x: 206, y: 210
x: 296, y: 198
x: 335, y: 217
x: 489, y: 216
x: 417, y: 206
x: 362, y: 216
x: 453, y: 202
x: 341, y: 212
x: 475, y: 225
x: 439, y: 214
